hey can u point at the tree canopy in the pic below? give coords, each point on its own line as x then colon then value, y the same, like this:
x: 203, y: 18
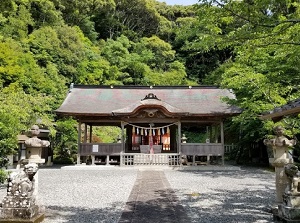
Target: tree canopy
x: 249, y: 46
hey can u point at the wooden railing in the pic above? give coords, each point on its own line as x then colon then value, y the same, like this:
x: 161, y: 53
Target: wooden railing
x: 136, y: 159
x: 100, y: 149
x: 229, y: 148
x: 202, y: 149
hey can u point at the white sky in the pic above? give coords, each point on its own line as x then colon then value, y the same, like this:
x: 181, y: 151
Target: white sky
x: 179, y: 2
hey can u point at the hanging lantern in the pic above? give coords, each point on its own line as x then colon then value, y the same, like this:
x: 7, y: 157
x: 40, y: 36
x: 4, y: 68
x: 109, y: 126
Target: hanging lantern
x: 158, y: 132
x: 137, y: 131
x: 168, y: 130
x: 146, y: 133
x: 142, y: 131
x: 133, y: 130
x: 154, y: 132
x: 163, y: 131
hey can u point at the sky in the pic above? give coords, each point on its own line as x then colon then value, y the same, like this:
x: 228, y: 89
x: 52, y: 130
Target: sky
x: 179, y: 2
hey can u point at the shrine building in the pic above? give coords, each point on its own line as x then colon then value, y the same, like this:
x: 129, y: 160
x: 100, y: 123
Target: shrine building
x: 151, y: 121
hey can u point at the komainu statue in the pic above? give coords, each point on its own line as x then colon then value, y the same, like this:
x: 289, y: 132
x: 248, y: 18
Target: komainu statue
x: 292, y: 172
x: 20, y: 201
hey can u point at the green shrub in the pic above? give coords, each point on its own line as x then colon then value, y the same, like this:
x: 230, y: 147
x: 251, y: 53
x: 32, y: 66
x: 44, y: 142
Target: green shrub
x: 3, y: 175
x: 63, y: 160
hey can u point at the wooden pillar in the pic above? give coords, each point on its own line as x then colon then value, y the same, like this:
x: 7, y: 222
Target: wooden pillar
x: 93, y: 159
x: 91, y: 134
x: 179, y: 137
x: 222, y: 140
x: 123, y: 143
x: 123, y: 137
x: 216, y: 134
x: 85, y: 133
x: 107, y: 160
x: 79, y: 142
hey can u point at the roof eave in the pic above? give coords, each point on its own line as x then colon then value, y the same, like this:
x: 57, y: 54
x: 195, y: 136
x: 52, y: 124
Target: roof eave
x: 280, y: 114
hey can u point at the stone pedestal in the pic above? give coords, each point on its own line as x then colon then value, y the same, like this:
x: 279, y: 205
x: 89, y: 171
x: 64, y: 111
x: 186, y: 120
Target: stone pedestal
x: 281, y: 179
x: 38, y: 161
x: 289, y: 210
x: 37, y: 219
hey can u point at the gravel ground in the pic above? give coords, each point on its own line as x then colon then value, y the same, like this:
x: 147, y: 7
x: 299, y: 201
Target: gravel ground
x: 232, y: 196
x: 85, y: 195
x: 208, y: 196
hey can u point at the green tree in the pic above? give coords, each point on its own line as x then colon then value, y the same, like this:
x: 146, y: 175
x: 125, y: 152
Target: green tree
x: 263, y: 37
x: 81, y: 13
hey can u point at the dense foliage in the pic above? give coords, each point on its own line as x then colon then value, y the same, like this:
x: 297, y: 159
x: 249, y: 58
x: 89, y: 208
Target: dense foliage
x: 250, y: 46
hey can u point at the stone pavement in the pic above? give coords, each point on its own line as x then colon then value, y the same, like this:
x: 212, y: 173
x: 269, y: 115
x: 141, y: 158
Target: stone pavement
x: 153, y: 200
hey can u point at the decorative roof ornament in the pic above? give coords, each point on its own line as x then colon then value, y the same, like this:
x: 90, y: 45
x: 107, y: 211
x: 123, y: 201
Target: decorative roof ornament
x: 151, y: 96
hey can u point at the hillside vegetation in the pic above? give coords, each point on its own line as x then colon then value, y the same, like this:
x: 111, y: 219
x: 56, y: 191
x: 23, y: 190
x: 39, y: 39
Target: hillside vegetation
x: 249, y: 46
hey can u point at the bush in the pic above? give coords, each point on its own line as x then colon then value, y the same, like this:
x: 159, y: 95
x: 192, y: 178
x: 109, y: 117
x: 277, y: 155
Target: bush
x: 3, y: 175
x: 63, y: 160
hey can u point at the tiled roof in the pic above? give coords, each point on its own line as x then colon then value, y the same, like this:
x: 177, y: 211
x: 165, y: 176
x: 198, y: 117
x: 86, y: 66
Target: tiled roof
x: 106, y: 100
x: 291, y: 108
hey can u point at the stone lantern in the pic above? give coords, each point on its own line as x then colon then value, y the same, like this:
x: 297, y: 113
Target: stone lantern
x: 183, y: 138
x: 34, y: 146
x: 287, y: 177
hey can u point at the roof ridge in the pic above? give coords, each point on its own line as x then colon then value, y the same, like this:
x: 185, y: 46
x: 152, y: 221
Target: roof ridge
x: 145, y: 87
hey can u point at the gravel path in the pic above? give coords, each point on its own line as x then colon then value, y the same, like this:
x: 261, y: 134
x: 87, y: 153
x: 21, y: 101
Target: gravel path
x: 90, y: 196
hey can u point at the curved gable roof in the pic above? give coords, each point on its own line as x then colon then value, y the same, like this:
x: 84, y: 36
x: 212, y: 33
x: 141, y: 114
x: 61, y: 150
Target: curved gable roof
x: 146, y: 103
x: 106, y: 100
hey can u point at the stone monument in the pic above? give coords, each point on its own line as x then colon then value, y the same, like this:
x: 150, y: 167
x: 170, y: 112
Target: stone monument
x: 20, y: 203
x: 282, y: 162
x: 34, y: 146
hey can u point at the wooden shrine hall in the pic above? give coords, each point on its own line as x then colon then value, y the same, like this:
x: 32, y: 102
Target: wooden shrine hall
x: 151, y: 121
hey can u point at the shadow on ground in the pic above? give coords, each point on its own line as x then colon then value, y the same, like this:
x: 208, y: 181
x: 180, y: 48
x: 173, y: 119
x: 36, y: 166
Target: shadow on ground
x: 80, y: 214
x: 240, y: 206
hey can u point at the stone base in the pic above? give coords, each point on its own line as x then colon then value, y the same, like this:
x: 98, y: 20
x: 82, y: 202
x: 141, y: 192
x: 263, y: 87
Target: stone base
x: 287, y: 214
x: 291, y: 200
x: 26, y: 161
x: 39, y: 218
